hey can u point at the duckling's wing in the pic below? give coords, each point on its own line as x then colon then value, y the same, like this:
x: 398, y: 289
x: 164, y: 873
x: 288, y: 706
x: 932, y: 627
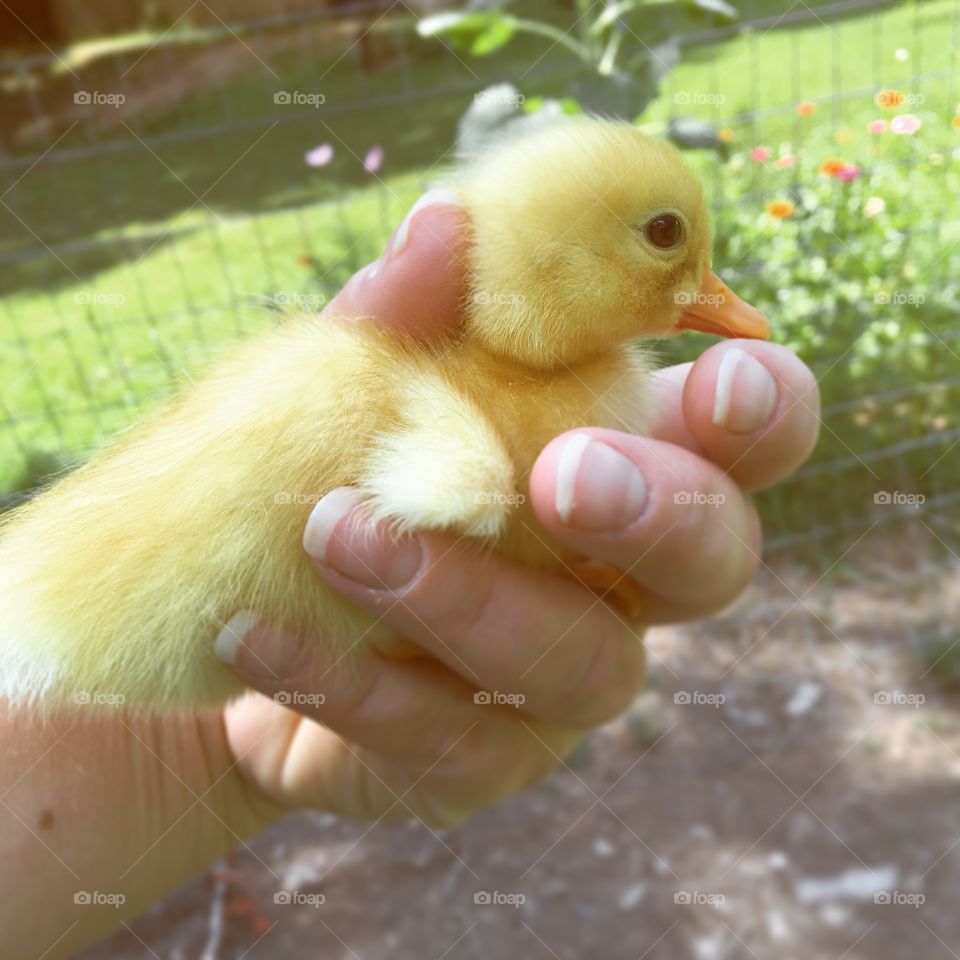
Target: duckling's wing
x: 443, y: 467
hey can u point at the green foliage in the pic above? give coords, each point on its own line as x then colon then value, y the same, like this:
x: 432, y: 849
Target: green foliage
x: 623, y: 48
x: 862, y: 280
x: 479, y: 32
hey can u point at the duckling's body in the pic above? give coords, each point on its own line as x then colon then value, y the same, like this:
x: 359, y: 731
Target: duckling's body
x: 117, y: 579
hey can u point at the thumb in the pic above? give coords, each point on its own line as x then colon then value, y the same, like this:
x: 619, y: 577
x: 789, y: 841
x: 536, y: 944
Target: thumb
x: 417, y: 285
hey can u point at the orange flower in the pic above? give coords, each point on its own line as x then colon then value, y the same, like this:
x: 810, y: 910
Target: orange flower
x: 832, y: 166
x: 780, y: 208
x: 889, y: 98
x: 726, y: 135
x: 955, y: 121
x: 806, y: 108
x: 305, y: 260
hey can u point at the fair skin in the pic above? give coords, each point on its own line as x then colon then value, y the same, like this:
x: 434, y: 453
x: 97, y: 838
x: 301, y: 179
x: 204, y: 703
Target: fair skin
x: 116, y: 802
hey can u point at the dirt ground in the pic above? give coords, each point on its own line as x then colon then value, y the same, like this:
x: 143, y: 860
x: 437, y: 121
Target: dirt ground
x: 788, y: 786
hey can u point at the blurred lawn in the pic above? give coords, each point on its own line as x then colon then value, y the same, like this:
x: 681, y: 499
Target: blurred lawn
x: 149, y: 281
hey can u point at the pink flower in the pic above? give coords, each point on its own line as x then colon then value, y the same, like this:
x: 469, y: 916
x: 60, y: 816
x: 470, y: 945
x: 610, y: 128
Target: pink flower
x: 877, y: 126
x: 905, y: 123
x: 848, y: 172
x: 760, y: 154
x: 373, y: 159
x: 786, y: 161
x: 319, y: 156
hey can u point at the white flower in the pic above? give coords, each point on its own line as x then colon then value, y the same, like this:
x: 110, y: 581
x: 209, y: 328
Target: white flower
x: 902, y: 54
x: 873, y: 206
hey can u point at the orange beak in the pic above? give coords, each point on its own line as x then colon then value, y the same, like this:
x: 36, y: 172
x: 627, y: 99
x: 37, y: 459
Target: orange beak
x: 719, y: 310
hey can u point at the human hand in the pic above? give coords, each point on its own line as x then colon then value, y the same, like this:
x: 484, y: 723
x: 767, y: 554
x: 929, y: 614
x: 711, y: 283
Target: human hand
x: 372, y: 737
x: 161, y: 796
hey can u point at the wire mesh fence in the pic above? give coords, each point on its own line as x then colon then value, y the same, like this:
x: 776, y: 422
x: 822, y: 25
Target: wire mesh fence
x: 156, y: 202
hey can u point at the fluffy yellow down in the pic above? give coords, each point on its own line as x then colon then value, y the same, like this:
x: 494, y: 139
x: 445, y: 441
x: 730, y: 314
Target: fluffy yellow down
x: 117, y: 579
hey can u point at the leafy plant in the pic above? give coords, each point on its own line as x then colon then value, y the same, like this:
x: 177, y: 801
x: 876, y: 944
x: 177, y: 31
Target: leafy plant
x: 624, y: 48
x: 856, y: 259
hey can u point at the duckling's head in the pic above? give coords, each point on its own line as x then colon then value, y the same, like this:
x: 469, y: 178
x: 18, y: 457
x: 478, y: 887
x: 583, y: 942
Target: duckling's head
x: 586, y: 234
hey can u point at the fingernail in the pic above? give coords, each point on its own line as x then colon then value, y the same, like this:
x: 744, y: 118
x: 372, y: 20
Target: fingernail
x: 598, y: 488
x: 746, y: 393
x: 402, y: 234
x: 271, y: 655
x: 358, y: 549
x: 230, y: 638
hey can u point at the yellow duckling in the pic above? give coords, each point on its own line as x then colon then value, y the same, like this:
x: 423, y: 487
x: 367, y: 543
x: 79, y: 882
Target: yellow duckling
x: 116, y: 581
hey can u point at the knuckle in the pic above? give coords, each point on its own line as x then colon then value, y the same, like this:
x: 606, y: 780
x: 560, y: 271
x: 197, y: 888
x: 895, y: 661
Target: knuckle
x: 448, y: 750
x: 456, y: 595
x: 348, y: 691
x: 493, y: 762
x: 737, y: 554
x: 727, y: 548
x: 610, y: 679
x: 493, y: 765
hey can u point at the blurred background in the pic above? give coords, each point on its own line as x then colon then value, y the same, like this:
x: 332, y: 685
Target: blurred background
x: 176, y: 175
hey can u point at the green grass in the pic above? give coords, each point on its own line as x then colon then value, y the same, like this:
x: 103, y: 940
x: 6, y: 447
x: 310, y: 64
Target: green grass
x: 137, y: 331
x: 172, y: 280
x: 772, y: 70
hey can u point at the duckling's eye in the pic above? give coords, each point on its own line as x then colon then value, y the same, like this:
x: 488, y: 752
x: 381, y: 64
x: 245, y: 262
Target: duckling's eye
x: 664, y: 231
